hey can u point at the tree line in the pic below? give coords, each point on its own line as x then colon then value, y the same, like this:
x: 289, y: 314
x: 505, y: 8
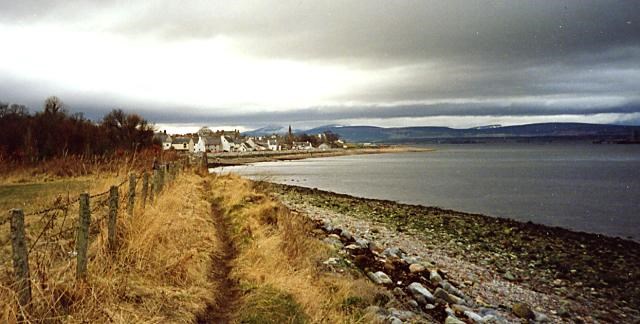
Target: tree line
x: 55, y: 132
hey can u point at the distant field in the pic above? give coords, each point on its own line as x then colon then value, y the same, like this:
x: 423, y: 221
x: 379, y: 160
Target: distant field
x: 34, y: 196
x: 24, y: 194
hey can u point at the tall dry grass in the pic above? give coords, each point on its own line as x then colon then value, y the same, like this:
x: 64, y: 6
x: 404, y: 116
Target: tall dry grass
x: 80, y: 166
x: 158, y: 274
x: 278, y: 254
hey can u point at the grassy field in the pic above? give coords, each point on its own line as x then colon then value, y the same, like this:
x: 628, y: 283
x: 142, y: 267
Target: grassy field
x: 28, y: 195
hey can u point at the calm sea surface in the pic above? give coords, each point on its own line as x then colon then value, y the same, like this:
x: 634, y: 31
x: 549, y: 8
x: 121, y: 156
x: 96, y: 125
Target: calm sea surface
x: 586, y: 187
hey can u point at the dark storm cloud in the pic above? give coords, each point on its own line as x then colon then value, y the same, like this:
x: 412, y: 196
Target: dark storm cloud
x: 402, y: 31
x: 377, y: 30
x: 442, y: 50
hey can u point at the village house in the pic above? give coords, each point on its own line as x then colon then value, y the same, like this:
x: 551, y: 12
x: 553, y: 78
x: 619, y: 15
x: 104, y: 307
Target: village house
x: 243, y: 147
x: 164, y: 139
x: 228, y: 144
x: 302, y: 146
x: 208, y: 143
x: 255, y: 146
x: 273, y: 145
x: 183, y: 144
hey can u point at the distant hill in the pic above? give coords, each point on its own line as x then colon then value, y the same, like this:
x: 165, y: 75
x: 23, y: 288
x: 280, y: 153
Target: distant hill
x: 269, y: 130
x: 425, y: 134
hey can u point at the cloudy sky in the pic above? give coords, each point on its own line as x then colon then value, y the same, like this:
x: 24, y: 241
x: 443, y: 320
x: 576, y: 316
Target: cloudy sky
x: 391, y: 63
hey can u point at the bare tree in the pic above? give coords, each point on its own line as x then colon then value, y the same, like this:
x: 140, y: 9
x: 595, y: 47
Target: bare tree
x: 53, y: 105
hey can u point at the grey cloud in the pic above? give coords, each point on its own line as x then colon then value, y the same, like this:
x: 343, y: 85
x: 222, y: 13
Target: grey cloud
x: 402, y: 31
x: 329, y: 114
x: 95, y: 105
x: 379, y: 30
x: 450, y: 49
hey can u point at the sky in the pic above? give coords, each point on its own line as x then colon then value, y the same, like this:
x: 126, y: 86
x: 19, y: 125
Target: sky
x: 248, y: 64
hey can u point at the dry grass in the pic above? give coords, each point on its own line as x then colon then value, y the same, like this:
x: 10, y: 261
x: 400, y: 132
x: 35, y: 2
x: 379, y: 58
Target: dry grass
x: 159, y: 273
x: 278, y: 255
x: 12, y: 172
x: 162, y: 270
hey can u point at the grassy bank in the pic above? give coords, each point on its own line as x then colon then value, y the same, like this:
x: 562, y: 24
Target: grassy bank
x: 277, y: 267
x: 598, y: 275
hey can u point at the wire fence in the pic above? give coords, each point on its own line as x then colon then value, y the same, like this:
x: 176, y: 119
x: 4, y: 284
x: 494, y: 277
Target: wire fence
x: 70, y: 223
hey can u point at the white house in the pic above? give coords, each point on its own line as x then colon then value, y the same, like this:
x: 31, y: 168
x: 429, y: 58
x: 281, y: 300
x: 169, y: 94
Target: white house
x: 164, y: 139
x: 228, y: 145
x: 208, y: 144
x: 302, y: 145
x: 166, y: 143
x: 243, y: 147
x: 183, y: 144
x: 254, y: 146
x: 273, y: 145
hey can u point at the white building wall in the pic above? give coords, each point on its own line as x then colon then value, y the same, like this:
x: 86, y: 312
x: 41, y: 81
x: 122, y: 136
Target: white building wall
x: 226, y: 145
x: 200, y: 146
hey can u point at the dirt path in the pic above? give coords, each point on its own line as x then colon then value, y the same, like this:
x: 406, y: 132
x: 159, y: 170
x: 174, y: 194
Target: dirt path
x: 228, y: 293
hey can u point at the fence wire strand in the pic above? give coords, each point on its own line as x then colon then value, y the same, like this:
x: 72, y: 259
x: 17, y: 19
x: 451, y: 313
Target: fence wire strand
x: 51, y: 213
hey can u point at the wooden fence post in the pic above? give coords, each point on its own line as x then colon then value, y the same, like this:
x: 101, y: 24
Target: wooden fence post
x: 20, y: 257
x: 82, y: 239
x: 161, y: 182
x: 205, y: 162
x: 132, y: 194
x: 156, y: 184
x: 168, y: 172
x: 113, y: 216
x: 145, y: 188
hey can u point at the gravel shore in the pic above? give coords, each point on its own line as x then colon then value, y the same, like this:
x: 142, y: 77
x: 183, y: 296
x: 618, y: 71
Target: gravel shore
x: 568, y: 276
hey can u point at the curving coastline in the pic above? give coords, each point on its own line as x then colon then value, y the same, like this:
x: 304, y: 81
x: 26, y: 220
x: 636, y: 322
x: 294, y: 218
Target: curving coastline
x: 233, y: 159
x: 578, y: 277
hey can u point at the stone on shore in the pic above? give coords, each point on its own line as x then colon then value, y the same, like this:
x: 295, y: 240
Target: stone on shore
x: 434, y: 277
x: 393, y: 252
x: 541, y: 318
x: 401, y: 314
x: 379, y: 278
x: 363, y: 243
x: 410, y: 259
x: 394, y: 320
x: 447, y: 297
x: 420, y: 292
x: 375, y: 247
x: 345, y: 234
x: 451, y: 289
x: 523, y: 310
x: 326, y: 225
x: 352, y: 247
x: 476, y: 318
x: 453, y: 320
x: 416, y: 268
x: 331, y: 261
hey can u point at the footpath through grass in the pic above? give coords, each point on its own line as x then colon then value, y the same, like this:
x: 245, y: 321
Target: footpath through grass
x: 278, y: 266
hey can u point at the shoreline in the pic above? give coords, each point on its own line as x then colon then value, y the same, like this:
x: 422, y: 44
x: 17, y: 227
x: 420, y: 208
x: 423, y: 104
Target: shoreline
x: 225, y: 160
x: 598, y: 276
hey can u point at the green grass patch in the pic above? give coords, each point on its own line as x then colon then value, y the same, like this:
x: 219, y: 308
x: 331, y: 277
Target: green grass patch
x: 266, y: 304
x: 22, y: 195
